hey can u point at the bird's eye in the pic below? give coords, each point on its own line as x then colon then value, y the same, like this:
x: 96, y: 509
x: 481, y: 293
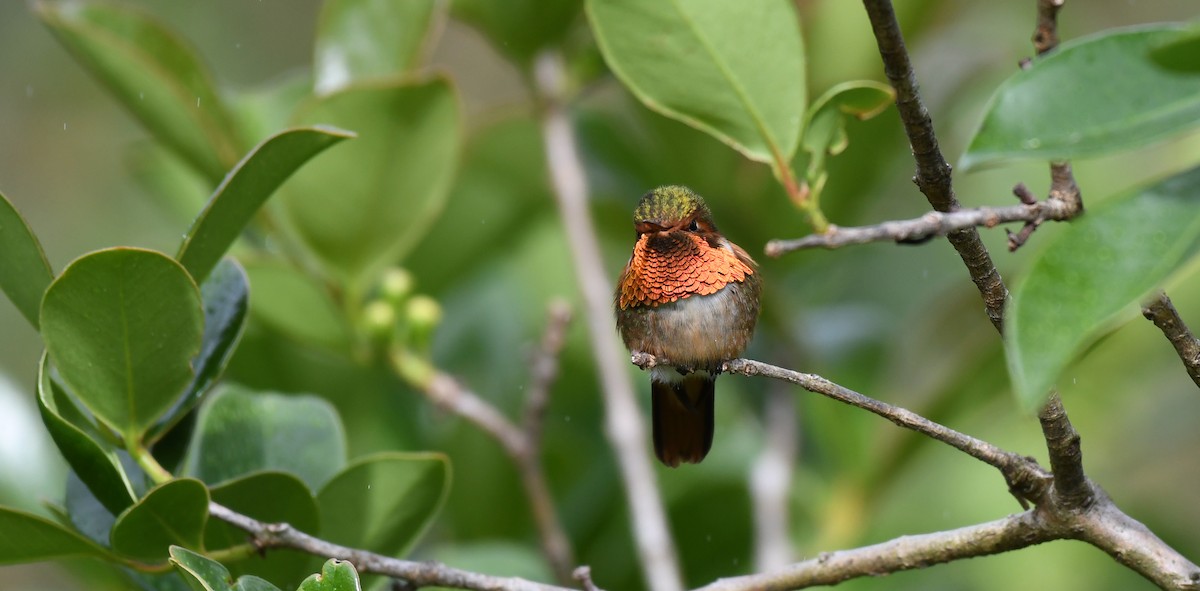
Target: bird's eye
x: 694, y: 226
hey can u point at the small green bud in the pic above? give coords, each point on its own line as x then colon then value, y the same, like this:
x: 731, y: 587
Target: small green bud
x: 394, y: 285
x: 423, y: 314
x: 379, y: 322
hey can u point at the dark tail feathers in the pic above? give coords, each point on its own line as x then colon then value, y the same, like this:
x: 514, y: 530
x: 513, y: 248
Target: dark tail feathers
x: 683, y: 419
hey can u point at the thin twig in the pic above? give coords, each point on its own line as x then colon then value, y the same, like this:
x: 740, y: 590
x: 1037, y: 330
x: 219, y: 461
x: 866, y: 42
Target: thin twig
x: 623, y: 421
x: 934, y: 223
x: 1162, y: 313
x: 543, y: 369
x: 933, y: 172
x: 1028, y: 480
x: 522, y: 444
x: 417, y: 574
x: 1071, y: 485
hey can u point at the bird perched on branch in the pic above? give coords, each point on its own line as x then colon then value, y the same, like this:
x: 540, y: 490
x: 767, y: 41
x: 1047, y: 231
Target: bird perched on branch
x: 688, y: 296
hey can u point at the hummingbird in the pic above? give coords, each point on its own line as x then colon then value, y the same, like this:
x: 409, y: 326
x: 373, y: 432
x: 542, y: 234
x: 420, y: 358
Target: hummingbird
x: 688, y: 296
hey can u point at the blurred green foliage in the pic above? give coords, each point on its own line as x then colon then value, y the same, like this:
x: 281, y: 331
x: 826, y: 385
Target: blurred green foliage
x: 468, y: 209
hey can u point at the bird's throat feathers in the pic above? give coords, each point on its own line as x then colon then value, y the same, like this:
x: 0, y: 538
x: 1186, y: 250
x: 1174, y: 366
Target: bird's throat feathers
x: 668, y: 266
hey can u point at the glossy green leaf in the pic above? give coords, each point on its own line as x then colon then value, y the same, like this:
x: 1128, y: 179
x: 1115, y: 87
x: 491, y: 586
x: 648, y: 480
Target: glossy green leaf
x: 122, y: 326
x: 226, y: 295
x: 246, y: 188
x: 366, y: 203
x: 205, y: 574
x: 270, y: 497
x: 294, y: 304
x: 24, y: 270
x: 520, y: 28
x: 172, y: 513
x: 1092, y: 276
x: 154, y: 74
x: 732, y: 69
x: 95, y: 462
x: 1092, y: 96
x: 241, y: 431
x: 384, y: 502
x: 28, y: 538
x: 335, y: 575
x: 360, y: 40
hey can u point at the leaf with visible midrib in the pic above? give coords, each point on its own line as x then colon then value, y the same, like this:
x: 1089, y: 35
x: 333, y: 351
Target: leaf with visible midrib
x: 122, y: 326
x: 1089, y: 278
x: 732, y: 69
x: 1092, y: 96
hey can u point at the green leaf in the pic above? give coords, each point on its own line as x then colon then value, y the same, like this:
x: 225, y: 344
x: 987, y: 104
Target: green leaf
x: 732, y: 69
x: 28, y: 538
x: 294, y: 304
x: 1096, y: 95
x: 154, y: 74
x: 167, y: 179
x: 82, y: 511
x: 1091, y: 276
x: 826, y: 128
x: 270, y: 497
x: 122, y: 326
x: 241, y: 431
x: 24, y: 270
x: 226, y: 295
x: 246, y: 188
x: 205, y: 574
x: 172, y: 513
x: 368, y: 202
x: 520, y: 28
x: 94, y: 462
x: 361, y: 40
x: 336, y: 575
x: 384, y: 502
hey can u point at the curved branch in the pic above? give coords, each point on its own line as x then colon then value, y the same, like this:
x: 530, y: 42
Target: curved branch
x: 417, y: 574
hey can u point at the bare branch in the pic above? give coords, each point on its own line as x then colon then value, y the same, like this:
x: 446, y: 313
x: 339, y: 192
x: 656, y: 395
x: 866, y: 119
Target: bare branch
x: 417, y: 574
x: 1071, y: 486
x: 1027, y: 480
x: 544, y: 368
x: 1045, y: 37
x: 904, y: 553
x: 934, y: 223
x: 1103, y: 526
x: 623, y: 421
x: 1162, y: 313
x: 933, y: 172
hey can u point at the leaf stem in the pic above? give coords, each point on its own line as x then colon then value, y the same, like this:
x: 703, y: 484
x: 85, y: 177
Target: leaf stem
x: 146, y: 461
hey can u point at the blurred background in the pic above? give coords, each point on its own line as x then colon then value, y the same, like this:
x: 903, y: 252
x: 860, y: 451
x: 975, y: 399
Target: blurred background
x: 900, y: 323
